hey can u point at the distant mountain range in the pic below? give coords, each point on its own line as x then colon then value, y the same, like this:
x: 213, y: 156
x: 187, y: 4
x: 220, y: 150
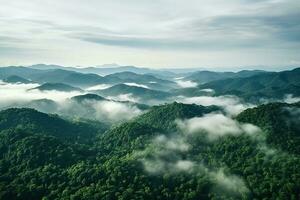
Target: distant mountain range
x: 251, y: 85
x: 202, y: 77
x: 77, y: 79
x: 107, y: 69
x: 263, y: 85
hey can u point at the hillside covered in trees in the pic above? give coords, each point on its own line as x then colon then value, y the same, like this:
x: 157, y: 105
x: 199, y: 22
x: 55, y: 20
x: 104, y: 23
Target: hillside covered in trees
x: 161, y: 154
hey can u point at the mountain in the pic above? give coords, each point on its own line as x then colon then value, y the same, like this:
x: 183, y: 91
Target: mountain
x: 16, y: 79
x: 52, y: 76
x: 163, y: 116
x: 281, y: 123
x: 37, y: 122
x: 23, y: 72
x: 71, y: 76
x: 143, y: 94
x: 202, y: 77
x: 94, y: 97
x: 266, y: 85
x: 57, y: 86
x: 85, y: 97
x: 158, y: 120
x: 146, y: 80
x: 44, y: 157
x: 133, y: 77
x: 104, y: 70
x: 67, y: 77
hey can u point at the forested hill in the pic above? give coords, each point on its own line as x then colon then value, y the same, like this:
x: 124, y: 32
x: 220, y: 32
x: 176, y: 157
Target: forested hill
x: 32, y: 121
x: 150, y: 157
x: 281, y: 122
x: 160, y: 119
x: 265, y: 85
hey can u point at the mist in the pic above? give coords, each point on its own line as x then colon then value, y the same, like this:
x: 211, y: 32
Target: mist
x: 232, y: 105
x: 22, y: 95
x: 137, y: 85
x: 186, y: 84
x: 216, y: 125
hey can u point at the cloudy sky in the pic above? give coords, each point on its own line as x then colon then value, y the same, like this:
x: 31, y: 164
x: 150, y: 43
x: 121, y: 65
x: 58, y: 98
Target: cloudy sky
x: 156, y: 33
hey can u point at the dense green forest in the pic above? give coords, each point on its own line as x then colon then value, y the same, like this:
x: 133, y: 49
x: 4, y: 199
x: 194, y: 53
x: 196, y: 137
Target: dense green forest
x: 150, y: 157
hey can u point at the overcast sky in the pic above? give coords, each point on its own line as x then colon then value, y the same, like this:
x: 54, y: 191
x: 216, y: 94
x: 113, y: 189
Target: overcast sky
x: 151, y: 33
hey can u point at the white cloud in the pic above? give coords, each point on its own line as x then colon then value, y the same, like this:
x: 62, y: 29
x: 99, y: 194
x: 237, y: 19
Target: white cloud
x: 184, y: 165
x: 230, y: 182
x: 186, y: 84
x: 137, y: 85
x: 109, y: 111
x: 125, y: 97
x: 176, y: 144
x: 208, y: 90
x: 291, y: 99
x: 216, y: 125
x: 99, y: 87
x: 115, y: 111
x: 231, y: 104
x: 18, y: 93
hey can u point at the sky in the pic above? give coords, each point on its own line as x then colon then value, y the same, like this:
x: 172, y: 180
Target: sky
x: 156, y: 33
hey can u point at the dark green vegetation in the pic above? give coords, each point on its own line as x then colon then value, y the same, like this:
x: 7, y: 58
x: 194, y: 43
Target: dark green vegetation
x: 202, y: 77
x: 58, y: 87
x: 280, y: 121
x: 44, y: 156
x: 265, y: 85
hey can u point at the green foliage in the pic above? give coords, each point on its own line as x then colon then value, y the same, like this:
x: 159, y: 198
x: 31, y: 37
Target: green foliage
x: 163, y: 117
x: 37, y: 122
x: 281, y: 123
x: 264, y: 85
x: 42, y: 157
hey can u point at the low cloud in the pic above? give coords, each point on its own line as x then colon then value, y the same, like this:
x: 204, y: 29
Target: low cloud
x: 137, y: 85
x: 20, y: 95
x: 291, y: 99
x: 231, y: 104
x: 207, y: 90
x: 228, y: 182
x: 125, y: 97
x: 175, y: 143
x: 12, y: 94
x: 215, y: 126
x: 99, y: 87
x: 105, y: 111
x: 170, y: 153
x: 159, y: 158
x: 186, y: 84
x: 115, y: 111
